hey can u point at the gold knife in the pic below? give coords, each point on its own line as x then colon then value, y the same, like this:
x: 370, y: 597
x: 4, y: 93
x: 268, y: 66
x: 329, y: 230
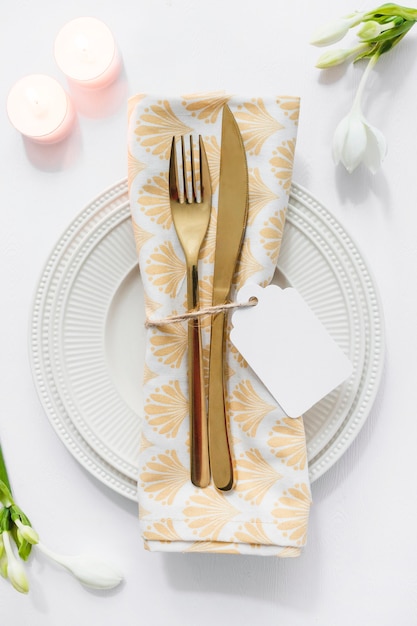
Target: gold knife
x: 231, y: 222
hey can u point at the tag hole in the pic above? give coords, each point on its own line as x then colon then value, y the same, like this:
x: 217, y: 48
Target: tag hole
x: 253, y: 300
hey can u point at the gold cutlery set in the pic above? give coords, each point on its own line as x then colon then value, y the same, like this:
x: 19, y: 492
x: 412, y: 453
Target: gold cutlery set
x: 190, y: 200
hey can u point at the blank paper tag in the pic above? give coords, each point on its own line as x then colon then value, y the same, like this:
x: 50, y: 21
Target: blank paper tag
x: 288, y: 347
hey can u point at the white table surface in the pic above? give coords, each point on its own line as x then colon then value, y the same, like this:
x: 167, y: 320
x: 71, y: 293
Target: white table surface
x: 359, y: 566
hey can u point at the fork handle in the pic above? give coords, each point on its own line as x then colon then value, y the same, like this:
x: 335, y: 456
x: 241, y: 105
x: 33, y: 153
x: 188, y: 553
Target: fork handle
x: 220, y: 458
x: 200, y: 465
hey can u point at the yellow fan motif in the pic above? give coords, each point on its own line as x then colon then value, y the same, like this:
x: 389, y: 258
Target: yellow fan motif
x: 148, y: 374
x: 259, y: 194
x: 253, y: 533
x: 207, y: 106
x: 167, y: 409
x: 157, y: 125
x: 240, y: 361
x: 289, y: 552
x: 256, y: 124
x: 254, y: 476
x: 140, y: 235
x: 162, y: 530
x: 206, y: 295
x: 151, y: 306
x: 213, y: 157
x: 169, y: 344
x: 282, y: 163
x: 213, y: 546
x: 208, y: 512
x: 291, y: 106
x: 134, y: 167
x: 287, y: 441
x: 132, y: 102
x: 271, y: 234
x: 208, y: 248
x: 154, y: 201
x: 248, y: 409
x: 292, y: 513
x: 144, y: 443
x: 235, y: 441
x: 143, y: 513
x: 165, y: 269
x: 248, y: 265
x: 229, y: 371
x: 164, y: 476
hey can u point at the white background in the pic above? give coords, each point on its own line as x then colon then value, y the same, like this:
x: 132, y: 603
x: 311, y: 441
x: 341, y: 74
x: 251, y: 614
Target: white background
x: 359, y: 566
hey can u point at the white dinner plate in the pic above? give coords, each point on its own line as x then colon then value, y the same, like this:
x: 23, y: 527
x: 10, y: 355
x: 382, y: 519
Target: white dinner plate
x: 87, y: 338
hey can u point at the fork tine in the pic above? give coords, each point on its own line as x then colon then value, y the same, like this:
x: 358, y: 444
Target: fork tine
x: 184, y: 170
x: 173, y: 173
x: 193, y: 179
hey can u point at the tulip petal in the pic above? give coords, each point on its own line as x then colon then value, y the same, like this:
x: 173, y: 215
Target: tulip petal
x: 339, y: 138
x: 355, y: 144
x: 15, y: 571
x: 349, y: 141
x: 330, y: 33
x: 90, y: 570
x: 376, y: 148
x: 331, y: 58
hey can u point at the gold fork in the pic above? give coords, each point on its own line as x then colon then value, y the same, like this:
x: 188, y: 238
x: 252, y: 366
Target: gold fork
x: 191, y: 215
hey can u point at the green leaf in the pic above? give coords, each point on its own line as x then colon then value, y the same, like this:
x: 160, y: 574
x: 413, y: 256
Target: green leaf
x: 5, y: 494
x: 17, y: 513
x: 23, y: 546
x: 386, y: 46
x: 393, y: 9
x: 380, y: 47
x: 3, y: 471
x: 24, y: 550
x: 393, y: 33
x: 6, y: 522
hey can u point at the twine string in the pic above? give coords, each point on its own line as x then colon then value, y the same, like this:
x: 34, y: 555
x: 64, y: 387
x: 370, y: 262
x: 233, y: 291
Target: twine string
x: 210, y: 310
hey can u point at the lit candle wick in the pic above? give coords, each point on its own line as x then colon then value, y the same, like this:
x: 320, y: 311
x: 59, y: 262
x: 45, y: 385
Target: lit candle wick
x: 38, y: 109
x: 82, y: 45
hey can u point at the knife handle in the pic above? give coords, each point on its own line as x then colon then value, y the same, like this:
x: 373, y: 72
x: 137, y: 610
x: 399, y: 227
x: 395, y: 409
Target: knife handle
x: 199, y: 456
x: 220, y: 458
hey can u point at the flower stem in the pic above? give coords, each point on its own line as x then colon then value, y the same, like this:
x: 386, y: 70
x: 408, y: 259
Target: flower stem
x: 357, y: 101
x: 3, y: 471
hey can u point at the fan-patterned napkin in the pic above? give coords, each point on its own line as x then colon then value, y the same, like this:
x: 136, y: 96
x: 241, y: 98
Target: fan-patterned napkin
x: 267, y: 511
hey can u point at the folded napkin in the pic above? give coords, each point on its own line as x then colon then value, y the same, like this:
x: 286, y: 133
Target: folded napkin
x: 267, y: 511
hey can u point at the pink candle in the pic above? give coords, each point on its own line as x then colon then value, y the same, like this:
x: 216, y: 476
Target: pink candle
x: 40, y: 109
x: 85, y: 50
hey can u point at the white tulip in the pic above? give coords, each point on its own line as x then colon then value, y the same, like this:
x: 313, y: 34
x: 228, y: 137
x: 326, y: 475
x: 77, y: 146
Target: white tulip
x: 15, y: 570
x: 331, y: 58
x: 27, y: 532
x: 335, y: 31
x: 355, y: 141
x: 90, y: 570
x: 371, y: 29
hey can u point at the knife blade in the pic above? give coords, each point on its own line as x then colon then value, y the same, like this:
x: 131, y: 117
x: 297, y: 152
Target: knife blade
x: 231, y: 223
